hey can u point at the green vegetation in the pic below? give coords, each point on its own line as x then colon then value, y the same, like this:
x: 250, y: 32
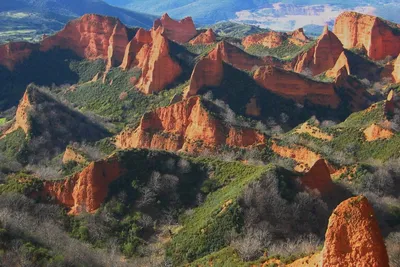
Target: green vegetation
x: 236, y: 30
x: 13, y: 143
x: 3, y: 121
x: 286, y: 51
x: 22, y: 183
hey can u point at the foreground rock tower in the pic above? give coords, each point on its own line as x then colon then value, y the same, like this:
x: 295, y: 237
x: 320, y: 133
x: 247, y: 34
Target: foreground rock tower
x: 353, y: 237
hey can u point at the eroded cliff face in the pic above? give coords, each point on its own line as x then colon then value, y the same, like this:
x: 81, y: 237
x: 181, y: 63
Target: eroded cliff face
x: 322, y: 56
x: 85, y: 191
x: 22, y: 115
x: 142, y: 37
x: 318, y: 178
x: 396, y: 70
x: 206, y: 38
x: 91, y: 37
x: 297, y: 87
x: 353, y: 237
x: 274, y: 39
x: 377, y: 132
x: 237, y: 57
x: 16, y: 52
x: 186, y: 126
x: 357, y: 30
x: 208, y: 71
x: 158, y: 68
x: 179, y: 31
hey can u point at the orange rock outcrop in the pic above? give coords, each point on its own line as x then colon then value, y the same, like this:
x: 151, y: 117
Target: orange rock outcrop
x: 237, y: 57
x: 318, y: 178
x: 158, y: 68
x: 274, y: 39
x: 353, y: 237
x: 322, y: 56
x: 304, y: 157
x: 308, y: 261
x: 207, y: 37
x: 342, y: 62
x: 85, y: 191
x: 207, y: 72
x: 368, y: 32
x: 186, y: 126
x: 376, y: 132
x: 71, y: 154
x: 91, y: 37
x: 297, y: 87
x: 13, y: 53
x: 298, y: 37
x: 141, y: 38
x: 396, y: 70
x: 313, y: 131
x: 179, y: 31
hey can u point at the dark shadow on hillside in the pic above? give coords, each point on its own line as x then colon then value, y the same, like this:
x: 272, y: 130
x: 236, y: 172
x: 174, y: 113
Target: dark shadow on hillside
x: 41, y: 68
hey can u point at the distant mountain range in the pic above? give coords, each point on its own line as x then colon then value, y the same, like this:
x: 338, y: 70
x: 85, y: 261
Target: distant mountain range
x: 27, y: 19
x: 274, y: 14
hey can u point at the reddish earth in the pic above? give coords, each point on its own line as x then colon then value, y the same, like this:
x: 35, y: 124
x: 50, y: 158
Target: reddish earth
x: 297, y: 87
x: 179, y: 31
x: 313, y: 131
x: 274, y: 39
x: 322, y: 56
x: 356, y: 30
x: 207, y: 37
x: 207, y: 72
x: 237, y: 57
x: 74, y: 155
x: 141, y: 38
x: 318, y: 178
x: 13, y: 53
x: 376, y: 132
x: 353, y: 237
x: 91, y: 37
x: 158, y: 68
x: 186, y: 126
x: 304, y: 157
x: 396, y: 70
x: 22, y: 115
x: 342, y: 62
x: 87, y: 190
x: 309, y: 261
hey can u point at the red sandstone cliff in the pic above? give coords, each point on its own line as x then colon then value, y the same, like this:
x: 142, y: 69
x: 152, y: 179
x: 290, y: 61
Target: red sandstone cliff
x: 295, y: 86
x: 318, y: 178
x: 207, y: 37
x: 91, y: 37
x: 353, y: 236
x: 207, y: 72
x: 322, y: 56
x: 158, y: 68
x: 87, y: 190
x: 364, y: 31
x: 186, y: 126
x: 274, y: 39
x: 141, y: 38
x: 179, y: 31
x: 13, y: 53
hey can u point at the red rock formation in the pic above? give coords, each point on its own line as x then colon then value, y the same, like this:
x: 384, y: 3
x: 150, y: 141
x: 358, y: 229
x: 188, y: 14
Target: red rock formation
x: 141, y: 38
x: 90, y: 37
x: 207, y: 72
x: 295, y: 86
x: 376, y: 132
x: 353, y: 236
x: 87, y: 190
x: 178, y: 31
x: 237, y: 57
x: 158, y: 68
x: 207, y: 37
x: 269, y: 39
x: 322, y: 56
x: 318, y: 178
x: 342, y: 62
x: 375, y: 35
x: 396, y: 70
x: 298, y: 37
x: 13, y: 53
x: 186, y: 126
